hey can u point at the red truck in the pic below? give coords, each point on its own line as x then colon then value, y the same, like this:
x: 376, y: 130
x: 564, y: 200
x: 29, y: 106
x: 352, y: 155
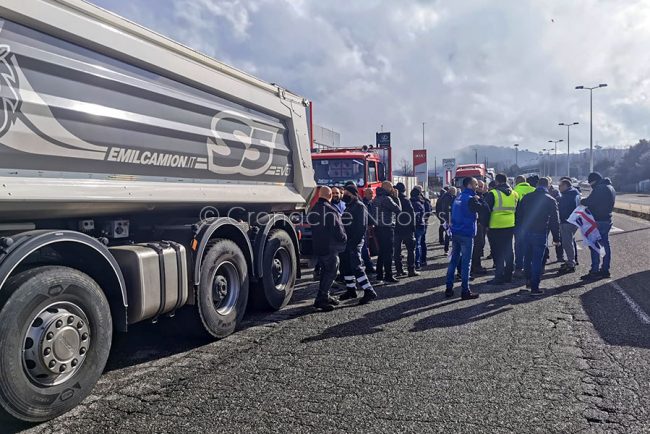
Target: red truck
x: 477, y: 171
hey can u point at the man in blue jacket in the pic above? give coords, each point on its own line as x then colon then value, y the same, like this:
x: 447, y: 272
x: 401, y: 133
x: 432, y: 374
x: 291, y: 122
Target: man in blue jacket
x: 464, y: 214
x: 601, y: 204
x: 567, y: 203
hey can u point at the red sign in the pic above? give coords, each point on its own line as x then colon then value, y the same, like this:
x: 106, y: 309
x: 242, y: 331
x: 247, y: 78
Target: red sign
x: 419, y: 157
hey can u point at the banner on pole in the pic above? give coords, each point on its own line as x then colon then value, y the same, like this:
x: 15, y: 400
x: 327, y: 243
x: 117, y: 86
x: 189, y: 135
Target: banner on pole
x: 420, y: 168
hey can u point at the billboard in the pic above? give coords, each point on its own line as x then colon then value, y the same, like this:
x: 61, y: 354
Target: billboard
x: 449, y: 165
x: 420, y: 169
x: 383, y: 140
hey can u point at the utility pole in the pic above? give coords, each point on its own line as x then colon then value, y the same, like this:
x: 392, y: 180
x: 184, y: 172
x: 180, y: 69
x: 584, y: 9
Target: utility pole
x: 475, y: 155
x: 423, y: 123
x: 555, y: 157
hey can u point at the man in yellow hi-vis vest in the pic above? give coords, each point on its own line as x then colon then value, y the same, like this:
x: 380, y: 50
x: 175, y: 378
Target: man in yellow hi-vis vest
x: 502, y: 202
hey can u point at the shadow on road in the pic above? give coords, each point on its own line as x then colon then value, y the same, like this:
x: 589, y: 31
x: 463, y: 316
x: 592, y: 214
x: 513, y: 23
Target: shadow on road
x: 613, y: 318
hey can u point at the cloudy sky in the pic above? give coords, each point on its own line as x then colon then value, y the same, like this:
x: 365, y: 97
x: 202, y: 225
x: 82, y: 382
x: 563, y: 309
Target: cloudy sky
x: 476, y: 71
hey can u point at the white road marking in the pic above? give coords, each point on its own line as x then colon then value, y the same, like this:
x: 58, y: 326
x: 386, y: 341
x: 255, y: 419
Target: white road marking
x: 643, y: 317
x: 615, y: 229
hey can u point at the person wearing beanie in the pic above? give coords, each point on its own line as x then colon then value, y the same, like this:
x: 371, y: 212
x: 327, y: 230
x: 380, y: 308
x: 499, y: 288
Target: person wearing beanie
x: 404, y: 234
x: 601, y: 204
x: 355, y: 221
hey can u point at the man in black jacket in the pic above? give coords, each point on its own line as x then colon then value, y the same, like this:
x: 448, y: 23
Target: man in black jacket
x: 601, y: 204
x: 365, y: 250
x: 404, y: 234
x: 482, y: 224
x: 385, y: 207
x: 567, y: 202
x: 537, y: 214
x: 329, y: 240
x: 355, y: 221
x: 443, y: 212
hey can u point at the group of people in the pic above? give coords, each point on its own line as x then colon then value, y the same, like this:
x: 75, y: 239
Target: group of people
x: 517, y: 223
x: 341, y: 223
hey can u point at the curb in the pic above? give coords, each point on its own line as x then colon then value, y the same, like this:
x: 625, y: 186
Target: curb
x: 633, y: 213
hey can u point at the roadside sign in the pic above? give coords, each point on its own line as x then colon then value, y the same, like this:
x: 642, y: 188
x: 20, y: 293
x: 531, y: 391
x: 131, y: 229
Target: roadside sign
x: 420, y: 169
x: 383, y: 140
x: 449, y: 164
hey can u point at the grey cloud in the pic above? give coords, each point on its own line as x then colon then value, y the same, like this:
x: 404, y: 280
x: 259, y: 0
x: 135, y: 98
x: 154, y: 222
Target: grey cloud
x: 478, y: 72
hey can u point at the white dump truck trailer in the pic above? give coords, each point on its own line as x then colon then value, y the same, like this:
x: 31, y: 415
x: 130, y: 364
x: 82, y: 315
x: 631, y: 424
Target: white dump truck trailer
x: 136, y: 177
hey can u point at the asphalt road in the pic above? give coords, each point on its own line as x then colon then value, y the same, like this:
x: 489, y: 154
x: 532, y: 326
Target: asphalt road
x: 575, y: 360
x: 638, y: 198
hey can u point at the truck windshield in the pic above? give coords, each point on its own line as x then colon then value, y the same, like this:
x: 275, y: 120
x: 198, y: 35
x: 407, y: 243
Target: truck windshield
x: 339, y: 171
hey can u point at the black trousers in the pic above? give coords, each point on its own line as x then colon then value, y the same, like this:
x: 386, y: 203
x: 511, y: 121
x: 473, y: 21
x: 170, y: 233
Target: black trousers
x: 353, y: 271
x: 329, y: 265
x: 501, y: 244
x: 479, y: 245
x: 408, y: 239
x: 385, y: 235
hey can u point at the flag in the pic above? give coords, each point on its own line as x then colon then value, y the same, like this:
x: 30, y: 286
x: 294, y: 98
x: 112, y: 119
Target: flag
x: 584, y: 220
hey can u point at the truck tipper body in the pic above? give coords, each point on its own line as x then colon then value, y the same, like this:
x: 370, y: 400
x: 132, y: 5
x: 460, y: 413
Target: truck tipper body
x: 136, y: 177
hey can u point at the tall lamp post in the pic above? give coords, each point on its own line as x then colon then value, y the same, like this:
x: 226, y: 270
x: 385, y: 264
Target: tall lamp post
x: 591, y: 121
x: 555, y: 158
x: 423, y: 123
x: 516, y: 145
x: 568, y: 145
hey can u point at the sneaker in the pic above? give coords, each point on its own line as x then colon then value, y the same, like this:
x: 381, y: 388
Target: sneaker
x: 391, y: 280
x: 536, y: 292
x: 605, y: 274
x: 370, y: 269
x: 348, y: 295
x: 400, y: 273
x: 518, y: 274
x: 368, y: 296
x: 565, y: 269
x: 449, y: 293
x: 332, y: 301
x: 323, y: 305
x: 592, y: 275
x: 468, y: 295
x: 413, y: 273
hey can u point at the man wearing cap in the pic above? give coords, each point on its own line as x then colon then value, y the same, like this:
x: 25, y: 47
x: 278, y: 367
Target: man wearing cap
x: 503, y: 203
x: 404, y: 234
x: 329, y: 240
x: 385, y: 208
x: 355, y: 221
x: 601, y: 204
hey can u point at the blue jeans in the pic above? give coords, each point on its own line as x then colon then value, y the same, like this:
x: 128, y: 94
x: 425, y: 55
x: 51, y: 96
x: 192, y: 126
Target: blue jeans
x: 419, y: 236
x: 535, y: 248
x: 520, y: 243
x: 461, y: 251
x: 603, y: 227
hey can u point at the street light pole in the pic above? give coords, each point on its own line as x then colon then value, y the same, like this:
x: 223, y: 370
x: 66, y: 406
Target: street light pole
x: 555, y: 142
x: 568, y: 145
x: 591, y: 121
x: 516, y: 154
x: 423, y: 134
x: 475, y: 155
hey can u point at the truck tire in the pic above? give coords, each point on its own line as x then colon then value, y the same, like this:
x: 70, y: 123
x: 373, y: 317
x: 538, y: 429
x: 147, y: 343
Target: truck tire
x: 223, y: 288
x: 279, y: 262
x: 57, y: 345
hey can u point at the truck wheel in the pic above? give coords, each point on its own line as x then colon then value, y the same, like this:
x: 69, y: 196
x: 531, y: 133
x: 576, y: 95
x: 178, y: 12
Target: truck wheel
x: 275, y: 289
x: 55, y: 338
x: 223, y: 289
